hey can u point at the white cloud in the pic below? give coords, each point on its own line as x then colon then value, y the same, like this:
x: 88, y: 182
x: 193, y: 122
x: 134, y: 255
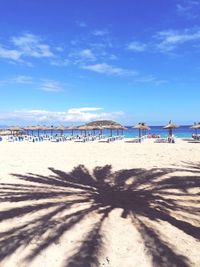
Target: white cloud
x: 151, y: 79
x: 171, y: 39
x: 27, y: 46
x: 100, y: 32
x: 83, y: 56
x: 137, y: 46
x: 51, y: 86
x: 105, y: 68
x: 188, y: 8
x: 42, y: 84
x: 87, y: 54
x: 81, y: 24
x: 73, y: 115
x: 23, y: 79
x: 59, y: 62
x: 10, y: 53
x: 32, y: 45
x: 80, y: 110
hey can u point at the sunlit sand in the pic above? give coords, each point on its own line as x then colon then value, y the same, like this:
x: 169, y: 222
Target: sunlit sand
x: 99, y: 204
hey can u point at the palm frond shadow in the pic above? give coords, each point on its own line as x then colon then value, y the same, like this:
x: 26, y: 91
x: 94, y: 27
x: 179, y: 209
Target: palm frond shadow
x: 63, y: 200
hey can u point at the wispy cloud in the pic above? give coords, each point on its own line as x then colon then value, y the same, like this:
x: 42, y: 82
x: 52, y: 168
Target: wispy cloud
x: 100, y: 32
x: 189, y: 9
x: 51, y: 86
x: 81, y: 24
x: 73, y: 115
x: 87, y: 54
x: 59, y: 62
x: 82, y: 56
x: 27, y: 46
x: 150, y: 79
x: 136, y: 46
x: 43, y: 84
x: 21, y: 79
x: 169, y: 40
x: 107, y: 69
x: 84, y: 109
x: 104, y: 36
x: 10, y: 53
x: 32, y: 46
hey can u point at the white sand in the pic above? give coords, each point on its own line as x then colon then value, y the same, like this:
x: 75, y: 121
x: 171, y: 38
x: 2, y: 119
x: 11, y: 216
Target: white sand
x: 160, y: 229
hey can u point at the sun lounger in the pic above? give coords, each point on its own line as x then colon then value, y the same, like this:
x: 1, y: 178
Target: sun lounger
x: 11, y: 139
x: 104, y: 140
x: 54, y: 140
x: 161, y: 140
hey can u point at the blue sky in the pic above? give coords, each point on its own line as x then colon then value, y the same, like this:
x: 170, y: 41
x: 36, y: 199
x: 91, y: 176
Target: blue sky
x: 68, y: 62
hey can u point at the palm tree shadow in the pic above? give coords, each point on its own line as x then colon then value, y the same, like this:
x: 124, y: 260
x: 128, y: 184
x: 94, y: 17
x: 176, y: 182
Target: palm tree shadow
x: 63, y: 200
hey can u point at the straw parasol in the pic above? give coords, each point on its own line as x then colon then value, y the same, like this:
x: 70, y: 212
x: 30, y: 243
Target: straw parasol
x: 48, y: 128
x: 96, y: 128
x: 196, y: 126
x: 114, y: 127
x: 90, y: 128
x: 141, y: 126
x: 29, y: 128
x: 72, y: 128
x: 106, y: 124
x: 15, y: 129
x: 170, y: 126
x: 83, y: 128
x: 61, y: 128
x: 37, y: 128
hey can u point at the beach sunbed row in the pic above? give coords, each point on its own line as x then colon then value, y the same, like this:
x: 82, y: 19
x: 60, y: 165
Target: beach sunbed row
x: 196, y: 137
x: 111, y: 139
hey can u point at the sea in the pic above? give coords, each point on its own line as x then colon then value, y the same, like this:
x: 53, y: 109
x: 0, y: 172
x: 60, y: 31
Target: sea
x: 181, y: 132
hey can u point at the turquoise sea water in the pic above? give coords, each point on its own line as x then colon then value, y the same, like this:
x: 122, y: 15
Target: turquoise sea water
x: 181, y: 132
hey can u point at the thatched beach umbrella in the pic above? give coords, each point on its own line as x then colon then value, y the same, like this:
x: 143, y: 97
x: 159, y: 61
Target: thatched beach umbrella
x: 49, y: 128
x: 123, y: 129
x: 61, y: 128
x: 170, y: 126
x: 72, y: 128
x: 83, y: 128
x: 88, y: 128
x: 37, y: 128
x: 29, y: 128
x: 15, y: 129
x: 45, y: 128
x: 141, y: 126
x: 114, y: 127
x: 106, y: 124
x: 196, y: 126
x: 96, y: 128
x: 120, y: 127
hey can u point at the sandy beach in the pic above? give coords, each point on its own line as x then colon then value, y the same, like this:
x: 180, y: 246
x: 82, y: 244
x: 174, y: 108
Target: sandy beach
x: 98, y: 204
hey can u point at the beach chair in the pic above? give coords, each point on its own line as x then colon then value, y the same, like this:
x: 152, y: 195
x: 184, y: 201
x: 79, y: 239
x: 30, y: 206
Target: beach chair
x: 105, y: 140
x: 54, y: 139
x: 11, y: 139
x: 161, y: 140
x: 134, y: 140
